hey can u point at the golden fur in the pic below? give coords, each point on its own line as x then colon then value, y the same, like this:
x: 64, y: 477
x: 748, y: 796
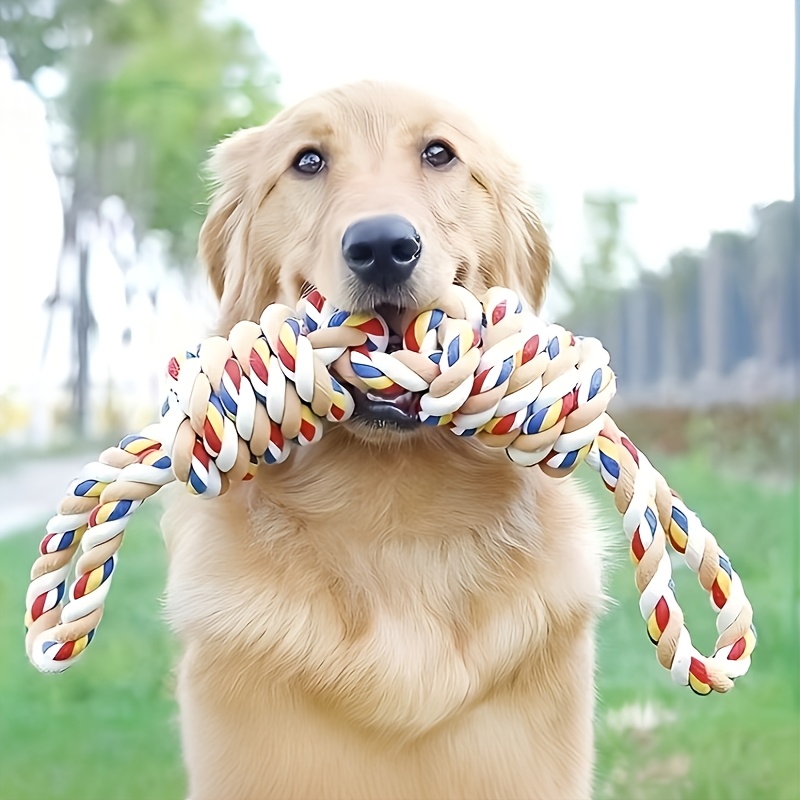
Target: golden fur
x: 382, y: 616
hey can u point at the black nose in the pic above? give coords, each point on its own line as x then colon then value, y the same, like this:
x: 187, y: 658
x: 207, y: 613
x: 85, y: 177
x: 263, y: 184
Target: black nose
x: 382, y: 251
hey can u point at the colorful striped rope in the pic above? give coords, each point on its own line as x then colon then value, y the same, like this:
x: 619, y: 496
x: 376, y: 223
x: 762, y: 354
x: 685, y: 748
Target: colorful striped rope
x: 489, y: 369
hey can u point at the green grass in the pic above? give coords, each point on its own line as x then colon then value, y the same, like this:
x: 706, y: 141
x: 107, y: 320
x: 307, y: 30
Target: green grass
x: 107, y: 728
x: 740, y: 746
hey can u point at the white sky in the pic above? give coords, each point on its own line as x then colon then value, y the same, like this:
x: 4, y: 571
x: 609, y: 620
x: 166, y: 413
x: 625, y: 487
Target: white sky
x: 30, y: 230
x: 686, y: 105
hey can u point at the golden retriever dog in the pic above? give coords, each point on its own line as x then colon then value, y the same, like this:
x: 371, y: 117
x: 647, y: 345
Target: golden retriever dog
x: 395, y: 611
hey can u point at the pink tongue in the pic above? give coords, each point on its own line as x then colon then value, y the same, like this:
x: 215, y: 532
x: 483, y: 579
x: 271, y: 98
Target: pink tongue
x: 407, y: 404
x: 391, y: 392
x: 405, y: 401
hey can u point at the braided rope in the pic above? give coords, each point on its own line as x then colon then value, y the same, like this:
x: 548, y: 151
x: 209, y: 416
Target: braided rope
x: 491, y: 370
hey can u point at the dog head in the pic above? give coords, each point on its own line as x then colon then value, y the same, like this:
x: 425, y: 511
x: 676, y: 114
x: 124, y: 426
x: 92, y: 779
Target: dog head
x: 379, y: 196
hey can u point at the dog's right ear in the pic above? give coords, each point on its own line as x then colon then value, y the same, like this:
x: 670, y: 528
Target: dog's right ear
x: 231, y: 170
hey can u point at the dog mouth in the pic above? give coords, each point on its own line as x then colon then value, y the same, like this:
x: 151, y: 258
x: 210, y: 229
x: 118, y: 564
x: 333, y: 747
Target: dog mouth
x: 381, y: 411
x: 394, y: 408
x: 389, y: 409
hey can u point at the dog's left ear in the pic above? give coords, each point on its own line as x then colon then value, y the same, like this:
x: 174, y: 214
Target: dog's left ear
x: 527, y: 250
x: 519, y: 256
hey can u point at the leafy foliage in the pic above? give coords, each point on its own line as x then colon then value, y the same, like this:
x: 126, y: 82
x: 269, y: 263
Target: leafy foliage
x: 152, y: 85
x: 605, y: 267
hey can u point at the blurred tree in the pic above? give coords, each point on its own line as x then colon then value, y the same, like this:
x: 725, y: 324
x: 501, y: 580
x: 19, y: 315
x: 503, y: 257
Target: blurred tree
x: 147, y: 88
x: 604, y: 267
x: 150, y: 86
x: 607, y: 265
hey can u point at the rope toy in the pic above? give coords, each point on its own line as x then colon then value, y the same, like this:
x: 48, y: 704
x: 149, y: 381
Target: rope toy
x: 489, y: 369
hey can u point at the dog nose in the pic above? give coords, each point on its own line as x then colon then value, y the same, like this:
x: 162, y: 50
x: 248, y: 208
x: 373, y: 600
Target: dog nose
x: 382, y: 251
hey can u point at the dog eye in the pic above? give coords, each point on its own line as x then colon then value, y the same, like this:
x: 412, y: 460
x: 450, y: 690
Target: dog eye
x: 438, y: 154
x: 309, y: 162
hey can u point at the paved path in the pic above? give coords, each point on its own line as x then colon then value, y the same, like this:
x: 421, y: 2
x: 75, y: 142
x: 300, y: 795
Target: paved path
x: 30, y: 492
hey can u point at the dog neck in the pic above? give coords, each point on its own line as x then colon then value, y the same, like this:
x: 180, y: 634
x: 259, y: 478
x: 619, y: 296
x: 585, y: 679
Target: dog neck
x: 394, y: 481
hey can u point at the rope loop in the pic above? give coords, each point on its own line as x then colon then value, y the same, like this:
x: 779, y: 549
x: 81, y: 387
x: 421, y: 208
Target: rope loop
x: 489, y: 369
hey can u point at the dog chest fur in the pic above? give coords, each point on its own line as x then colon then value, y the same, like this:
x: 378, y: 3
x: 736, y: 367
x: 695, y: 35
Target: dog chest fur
x: 397, y: 614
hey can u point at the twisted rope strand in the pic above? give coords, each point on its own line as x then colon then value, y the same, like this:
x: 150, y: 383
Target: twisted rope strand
x: 490, y: 369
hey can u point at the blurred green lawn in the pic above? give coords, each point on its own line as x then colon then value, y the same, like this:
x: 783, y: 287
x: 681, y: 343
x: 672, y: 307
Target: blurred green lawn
x: 107, y: 728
